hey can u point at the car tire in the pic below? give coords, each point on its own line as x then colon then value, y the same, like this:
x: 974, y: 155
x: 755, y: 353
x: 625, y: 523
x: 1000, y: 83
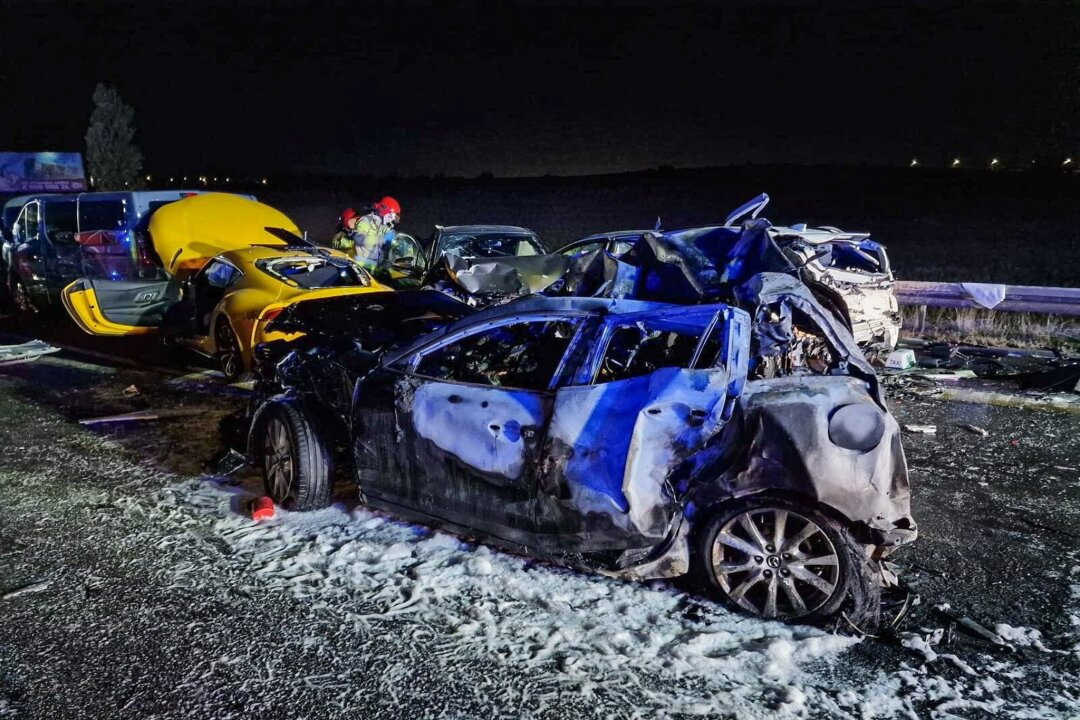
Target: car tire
x: 297, y: 467
x: 227, y: 350
x: 779, y: 559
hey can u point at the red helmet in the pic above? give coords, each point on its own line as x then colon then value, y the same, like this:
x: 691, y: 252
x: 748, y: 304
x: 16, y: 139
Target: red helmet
x: 388, y: 205
x: 346, y: 215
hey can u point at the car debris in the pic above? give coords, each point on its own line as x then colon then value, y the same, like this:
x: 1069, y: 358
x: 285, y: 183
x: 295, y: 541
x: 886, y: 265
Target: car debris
x: 848, y: 272
x: 900, y: 360
x: 138, y: 416
x: 485, y: 264
x: 975, y: 429
x: 972, y: 628
x: 25, y: 352
x: 629, y: 437
x: 26, y: 590
x: 921, y: 429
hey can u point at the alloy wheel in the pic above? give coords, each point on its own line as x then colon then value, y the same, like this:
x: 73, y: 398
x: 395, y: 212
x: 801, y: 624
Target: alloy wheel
x: 278, y: 460
x: 228, y: 352
x: 775, y: 563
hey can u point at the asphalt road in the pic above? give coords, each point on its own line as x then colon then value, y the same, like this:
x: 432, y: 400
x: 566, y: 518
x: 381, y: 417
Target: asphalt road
x: 127, y: 588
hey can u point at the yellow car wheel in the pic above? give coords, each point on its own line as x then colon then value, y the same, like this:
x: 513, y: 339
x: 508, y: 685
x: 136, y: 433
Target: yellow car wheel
x: 227, y: 350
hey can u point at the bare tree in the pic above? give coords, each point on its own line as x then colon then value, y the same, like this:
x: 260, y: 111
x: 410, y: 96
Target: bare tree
x: 112, y: 159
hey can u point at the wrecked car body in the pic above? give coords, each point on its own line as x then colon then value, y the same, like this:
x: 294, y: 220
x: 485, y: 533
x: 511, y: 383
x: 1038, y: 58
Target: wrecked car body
x: 635, y: 438
x: 481, y: 264
x: 847, y: 270
x: 228, y: 264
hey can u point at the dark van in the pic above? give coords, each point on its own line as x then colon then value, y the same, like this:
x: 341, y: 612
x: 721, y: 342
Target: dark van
x: 56, y: 239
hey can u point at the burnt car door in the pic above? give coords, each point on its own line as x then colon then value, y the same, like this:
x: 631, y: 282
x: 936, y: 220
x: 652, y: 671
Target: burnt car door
x: 468, y: 417
x: 645, y: 410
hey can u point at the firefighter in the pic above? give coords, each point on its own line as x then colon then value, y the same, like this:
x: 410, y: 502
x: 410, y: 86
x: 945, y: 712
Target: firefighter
x: 344, y: 239
x: 374, y: 231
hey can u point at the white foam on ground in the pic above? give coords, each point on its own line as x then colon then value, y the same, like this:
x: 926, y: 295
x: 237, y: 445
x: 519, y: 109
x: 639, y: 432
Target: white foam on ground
x: 574, y: 632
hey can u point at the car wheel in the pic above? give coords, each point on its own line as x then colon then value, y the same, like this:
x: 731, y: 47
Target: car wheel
x: 777, y: 559
x: 227, y: 350
x: 296, y: 464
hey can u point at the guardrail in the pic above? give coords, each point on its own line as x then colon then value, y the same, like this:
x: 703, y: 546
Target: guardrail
x: 1017, y: 298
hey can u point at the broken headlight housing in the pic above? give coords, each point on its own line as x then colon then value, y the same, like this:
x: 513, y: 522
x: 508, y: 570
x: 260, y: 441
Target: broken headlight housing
x: 857, y: 427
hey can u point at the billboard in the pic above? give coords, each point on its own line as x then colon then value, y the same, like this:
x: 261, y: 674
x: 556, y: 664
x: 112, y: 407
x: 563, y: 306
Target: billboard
x: 41, y: 172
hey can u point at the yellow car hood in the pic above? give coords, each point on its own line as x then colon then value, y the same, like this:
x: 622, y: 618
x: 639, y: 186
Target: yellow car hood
x: 187, y: 233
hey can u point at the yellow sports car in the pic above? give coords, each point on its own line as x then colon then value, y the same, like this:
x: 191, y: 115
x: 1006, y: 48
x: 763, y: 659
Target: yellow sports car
x: 228, y: 265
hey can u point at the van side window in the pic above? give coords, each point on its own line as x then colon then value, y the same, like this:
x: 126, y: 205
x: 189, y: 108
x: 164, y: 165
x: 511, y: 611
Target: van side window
x: 106, y: 215
x: 60, y: 222
x: 28, y: 226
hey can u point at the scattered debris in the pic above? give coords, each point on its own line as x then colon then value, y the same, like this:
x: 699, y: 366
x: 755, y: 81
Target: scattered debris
x: 921, y: 429
x: 138, y: 416
x: 975, y: 429
x: 262, y: 508
x: 973, y: 628
x: 25, y: 352
x: 131, y: 390
x: 26, y: 590
x: 226, y: 463
x: 900, y: 360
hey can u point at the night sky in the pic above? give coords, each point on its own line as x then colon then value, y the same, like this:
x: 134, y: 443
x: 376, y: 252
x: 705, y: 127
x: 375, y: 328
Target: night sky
x: 545, y: 88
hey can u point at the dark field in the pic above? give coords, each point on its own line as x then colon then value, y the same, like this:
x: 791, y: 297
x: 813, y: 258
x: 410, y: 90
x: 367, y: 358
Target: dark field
x: 1019, y: 228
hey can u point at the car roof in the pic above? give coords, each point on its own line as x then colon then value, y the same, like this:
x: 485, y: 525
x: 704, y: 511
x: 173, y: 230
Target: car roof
x: 485, y: 228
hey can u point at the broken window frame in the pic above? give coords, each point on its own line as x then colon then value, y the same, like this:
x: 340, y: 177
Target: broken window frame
x: 563, y: 369
x: 613, y: 325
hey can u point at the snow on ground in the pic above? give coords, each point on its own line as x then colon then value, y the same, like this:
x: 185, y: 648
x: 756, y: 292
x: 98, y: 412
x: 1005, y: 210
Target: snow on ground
x: 455, y: 600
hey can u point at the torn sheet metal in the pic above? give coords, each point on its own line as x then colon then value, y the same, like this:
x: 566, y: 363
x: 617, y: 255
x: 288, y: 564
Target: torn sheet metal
x: 25, y: 352
x: 507, y: 275
x: 848, y: 270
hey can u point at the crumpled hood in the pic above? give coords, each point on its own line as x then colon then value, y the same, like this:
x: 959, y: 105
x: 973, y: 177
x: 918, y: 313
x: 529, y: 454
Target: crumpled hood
x: 510, y: 275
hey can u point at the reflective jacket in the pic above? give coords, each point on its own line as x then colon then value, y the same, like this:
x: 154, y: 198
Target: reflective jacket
x: 369, y: 238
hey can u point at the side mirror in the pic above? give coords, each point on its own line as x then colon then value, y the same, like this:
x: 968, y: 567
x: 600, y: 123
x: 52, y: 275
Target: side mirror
x: 405, y: 262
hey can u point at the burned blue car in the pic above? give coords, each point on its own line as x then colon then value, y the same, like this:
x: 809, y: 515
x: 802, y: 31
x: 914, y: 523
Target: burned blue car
x: 633, y: 438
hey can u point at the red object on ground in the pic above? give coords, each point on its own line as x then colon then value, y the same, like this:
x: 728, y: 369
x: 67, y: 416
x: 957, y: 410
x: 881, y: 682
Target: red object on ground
x: 262, y: 508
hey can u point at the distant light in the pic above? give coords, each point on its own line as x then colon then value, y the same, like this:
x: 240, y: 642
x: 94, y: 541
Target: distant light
x: 172, y: 179
x: 914, y: 162
x: 993, y: 162
x: 264, y: 181
x: 215, y: 179
x: 1068, y: 161
x: 147, y: 178
x: 185, y: 178
x: 227, y: 180
x: 956, y: 162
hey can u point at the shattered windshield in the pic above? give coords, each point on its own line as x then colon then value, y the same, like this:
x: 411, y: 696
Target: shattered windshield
x: 316, y: 272
x: 490, y: 245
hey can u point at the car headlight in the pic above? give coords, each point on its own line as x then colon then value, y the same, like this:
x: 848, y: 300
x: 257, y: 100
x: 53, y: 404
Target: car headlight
x: 857, y: 427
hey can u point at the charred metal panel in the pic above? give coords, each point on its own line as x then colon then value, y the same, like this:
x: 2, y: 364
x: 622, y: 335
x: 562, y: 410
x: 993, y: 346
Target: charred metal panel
x: 791, y: 426
x: 613, y: 449
x: 490, y: 431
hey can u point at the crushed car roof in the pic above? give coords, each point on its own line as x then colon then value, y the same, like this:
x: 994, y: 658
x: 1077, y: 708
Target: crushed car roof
x: 485, y: 228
